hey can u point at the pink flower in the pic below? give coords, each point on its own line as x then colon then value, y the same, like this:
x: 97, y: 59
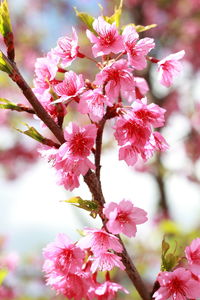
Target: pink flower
x: 99, y: 241
x: 129, y: 153
x: 78, y: 286
x: 177, y: 285
x: 79, y: 141
x: 123, y: 217
x: 68, y: 179
x: 152, y: 113
x: 155, y: 143
x: 70, y: 160
x: 192, y: 253
x: 45, y: 70
x: 141, y: 87
x: 118, y: 79
x: 108, y: 290
x: 93, y: 102
x: 71, y: 87
x: 106, y: 261
x: 169, y: 67
x: 159, y: 142
x: 131, y: 129
x: 136, y: 51
x: 107, y: 40
x: 67, y: 49
x: 62, y: 257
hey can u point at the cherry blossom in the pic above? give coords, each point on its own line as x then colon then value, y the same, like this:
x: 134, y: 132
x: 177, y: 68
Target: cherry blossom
x: 108, y: 290
x: 129, y: 153
x: 62, y: 256
x: 178, y: 284
x: 169, y: 67
x: 131, y: 129
x: 123, y: 217
x: 94, y: 102
x: 45, y: 71
x: 77, y: 286
x: 70, y: 160
x: 141, y: 87
x: 106, y: 261
x: 150, y: 114
x: 136, y: 50
x: 99, y: 241
x: 107, y: 40
x: 68, y: 179
x: 70, y: 88
x: 67, y: 49
x: 79, y: 141
x: 192, y: 253
x: 118, y: 80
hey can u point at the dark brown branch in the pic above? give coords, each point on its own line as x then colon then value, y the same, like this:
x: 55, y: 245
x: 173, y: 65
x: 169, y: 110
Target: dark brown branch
x: 94, y: 186
x: 162, y: 204
x: 133, y: 274
x: 37, y: 106
x: 99, y: 147
x: 50, y: 143
x: 9, y: 42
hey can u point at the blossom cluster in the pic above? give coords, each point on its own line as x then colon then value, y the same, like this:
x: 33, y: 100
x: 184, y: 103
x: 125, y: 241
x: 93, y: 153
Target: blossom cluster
x: 182, y: 283
x: 69, y: 264
x: 114, y: 93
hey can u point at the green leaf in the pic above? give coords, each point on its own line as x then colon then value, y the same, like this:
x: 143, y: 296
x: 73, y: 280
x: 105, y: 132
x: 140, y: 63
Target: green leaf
x: 5, y: 65
x: 3, y: 274
x: 165, y: 247
x: 86, y: 19
x: 169, y: 260
x: 88, y: 205
x: 5, y: 24
x: 115, y: 18
x: 141, y: 28
x: 33, y: 133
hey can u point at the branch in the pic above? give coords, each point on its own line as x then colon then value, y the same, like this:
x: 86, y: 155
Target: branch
x: 99, y: 146
x: 37, y: 106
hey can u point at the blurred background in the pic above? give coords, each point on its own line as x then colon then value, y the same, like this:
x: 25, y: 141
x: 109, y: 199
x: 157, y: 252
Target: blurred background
x: 167, y: 187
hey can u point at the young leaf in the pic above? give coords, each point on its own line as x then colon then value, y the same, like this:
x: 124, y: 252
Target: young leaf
x: 86, y: 18
x: 33, y: 133
x: 88, y: 205
x: 5, y: 24
x: 165, y: 247
x: 141, y: 28
x: 5, y: 65
x: 116, y: 16
x: 169, y: 260
x: 6, y: 104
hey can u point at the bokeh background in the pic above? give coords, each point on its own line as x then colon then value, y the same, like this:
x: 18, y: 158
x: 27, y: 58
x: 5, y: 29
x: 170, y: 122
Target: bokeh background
x: 167, y: 187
